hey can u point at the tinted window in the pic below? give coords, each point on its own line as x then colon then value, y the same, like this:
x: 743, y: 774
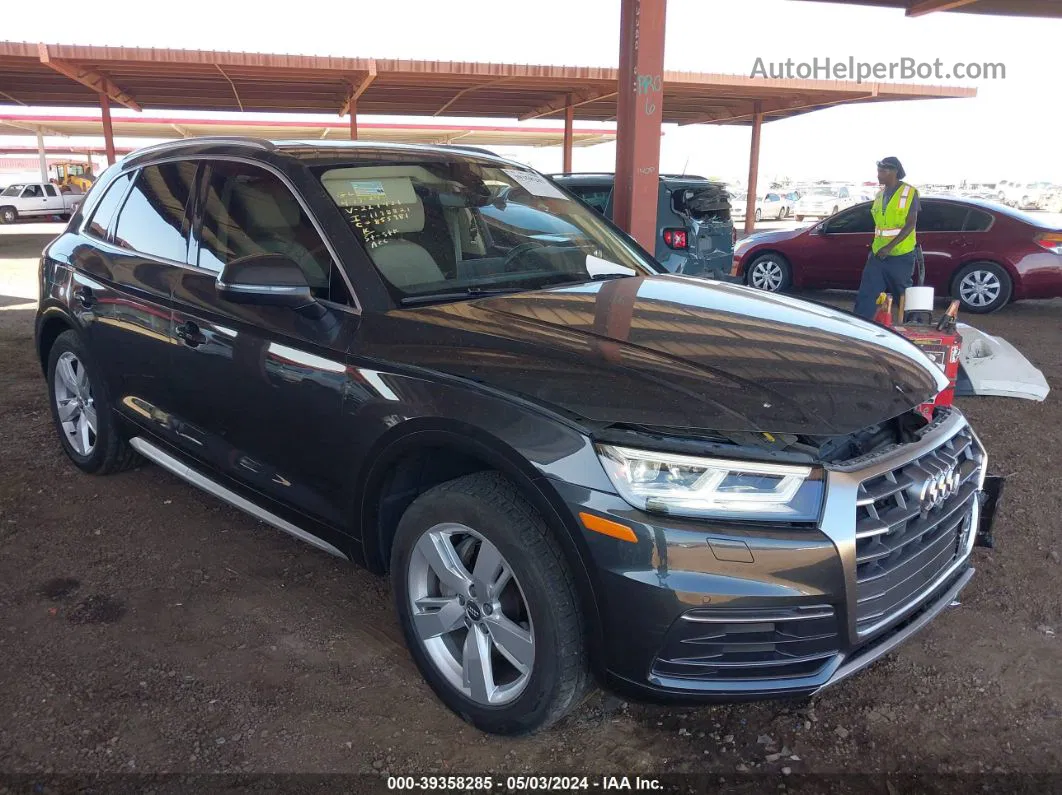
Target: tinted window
x: 152, y: 219
x: 857, y: 219
x: 101, y: 218
x: 248, y: 210
x: 32, y: 192
x: 940, y: 217
x: 772, y: 197
x: 843, y: 193
x: 594, y: 195
x: 50, y: 190
x: 977, y: 221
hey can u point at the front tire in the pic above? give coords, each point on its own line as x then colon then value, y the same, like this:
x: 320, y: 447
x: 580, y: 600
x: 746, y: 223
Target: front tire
x: 81, y: 409
x: 488, y: 607
x: 982, y: 287
x: 8, y: 215
x: 800, y: 218
x: 759, y: 214
x: 770, y: 272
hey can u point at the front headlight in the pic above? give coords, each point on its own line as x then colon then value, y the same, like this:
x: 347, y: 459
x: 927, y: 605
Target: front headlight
x: 712, y: 487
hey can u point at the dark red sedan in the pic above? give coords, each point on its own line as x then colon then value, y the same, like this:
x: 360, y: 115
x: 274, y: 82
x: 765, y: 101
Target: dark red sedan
x: 982, y: 253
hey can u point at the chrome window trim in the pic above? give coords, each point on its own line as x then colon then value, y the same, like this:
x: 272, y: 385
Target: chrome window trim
x: 336, y: 261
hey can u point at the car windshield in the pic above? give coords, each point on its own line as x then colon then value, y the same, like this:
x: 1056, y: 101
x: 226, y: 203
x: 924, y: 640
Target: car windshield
x: 12, y: 190
x: 445, y: 230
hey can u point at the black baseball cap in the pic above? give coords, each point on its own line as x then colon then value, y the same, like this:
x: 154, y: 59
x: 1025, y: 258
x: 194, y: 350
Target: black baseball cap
x: 894, y: 164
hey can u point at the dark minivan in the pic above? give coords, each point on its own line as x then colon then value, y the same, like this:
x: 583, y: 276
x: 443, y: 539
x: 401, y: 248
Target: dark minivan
x: 568, y: 461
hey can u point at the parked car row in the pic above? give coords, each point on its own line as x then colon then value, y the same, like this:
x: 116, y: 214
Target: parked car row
x: 983, y: 253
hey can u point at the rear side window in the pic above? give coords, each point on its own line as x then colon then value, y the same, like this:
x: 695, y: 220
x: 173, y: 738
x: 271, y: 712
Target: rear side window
x: 247, y: 210
x: 50, y: 190
x: 940, y: 217
x: 104, y: 212
x: 977, y: 221
x: 594, y: 195
x: 858, y: 219
x: 152, y: 220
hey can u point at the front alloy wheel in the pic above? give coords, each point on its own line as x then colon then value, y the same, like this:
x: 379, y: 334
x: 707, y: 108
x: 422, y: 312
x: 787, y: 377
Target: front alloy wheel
x: 470, y: 614
x: 488, y: 605
x: 769, y: 272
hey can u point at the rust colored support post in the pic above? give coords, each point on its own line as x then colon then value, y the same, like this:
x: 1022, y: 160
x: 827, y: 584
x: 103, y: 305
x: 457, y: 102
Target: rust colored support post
x: 639, y: 114
x: 754, y: 170
x: 569, y: 134
x: 42, y: 156
x: 353, y: 120
x: 108, y: 131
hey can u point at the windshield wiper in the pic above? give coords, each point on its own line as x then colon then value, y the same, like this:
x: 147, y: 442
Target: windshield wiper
x: 471, y: 292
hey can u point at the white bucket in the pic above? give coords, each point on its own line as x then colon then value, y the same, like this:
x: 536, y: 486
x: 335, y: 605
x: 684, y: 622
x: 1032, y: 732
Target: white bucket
x: 918, y: 299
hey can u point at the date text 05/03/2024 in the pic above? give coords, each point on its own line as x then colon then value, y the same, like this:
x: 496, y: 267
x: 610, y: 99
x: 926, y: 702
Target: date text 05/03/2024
x: 522, y: 783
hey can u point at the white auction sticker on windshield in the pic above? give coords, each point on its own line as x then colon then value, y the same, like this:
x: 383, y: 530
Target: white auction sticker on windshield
x: 596, y: 266
x: 535, y: 184
x: 369, y: 189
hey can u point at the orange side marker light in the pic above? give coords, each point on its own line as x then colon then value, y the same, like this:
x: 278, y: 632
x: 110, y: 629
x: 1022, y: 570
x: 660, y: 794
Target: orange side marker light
x: 608, y: 528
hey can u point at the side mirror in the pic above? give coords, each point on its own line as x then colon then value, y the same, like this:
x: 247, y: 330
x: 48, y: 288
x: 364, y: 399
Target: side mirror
x: 819, y: 229
x: 265, y: 280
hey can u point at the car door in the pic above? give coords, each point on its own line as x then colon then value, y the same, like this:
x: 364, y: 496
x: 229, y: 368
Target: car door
x: 841, y: 249
x: 53, y: 200
x: 940, y: 234
x: 32, y: 200
x: 122, y: 285
x: 258, y: 389
x: 772, y: 206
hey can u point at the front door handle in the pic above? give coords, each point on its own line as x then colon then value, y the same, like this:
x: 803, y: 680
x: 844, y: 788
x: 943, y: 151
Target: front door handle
x: 84, y: 296
x: 190, y: 333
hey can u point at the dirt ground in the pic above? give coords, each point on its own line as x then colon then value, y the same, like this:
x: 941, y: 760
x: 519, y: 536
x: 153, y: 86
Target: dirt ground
x: 147, y: 628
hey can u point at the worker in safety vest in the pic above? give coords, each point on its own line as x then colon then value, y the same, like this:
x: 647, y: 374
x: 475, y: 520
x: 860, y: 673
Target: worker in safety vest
x: 892, y: 254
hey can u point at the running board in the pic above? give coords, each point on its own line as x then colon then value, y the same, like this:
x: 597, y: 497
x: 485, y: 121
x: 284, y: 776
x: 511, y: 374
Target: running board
x: 185, y: 472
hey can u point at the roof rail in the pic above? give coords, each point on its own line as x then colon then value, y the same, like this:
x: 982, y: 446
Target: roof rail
x: 582, y: 174
x: 154, y: 149
x: 480, y: 149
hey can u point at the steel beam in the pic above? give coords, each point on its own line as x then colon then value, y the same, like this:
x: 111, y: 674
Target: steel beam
x: 352, y: 108
x: 108, y: 131
x: 90, y: 78
x: 640, y: 111
x: 358, y: 87
x: 569, y: 137
x: 922, y: 7
x: 42, y: 156
x: 754, y: 169
x: 558, y: 103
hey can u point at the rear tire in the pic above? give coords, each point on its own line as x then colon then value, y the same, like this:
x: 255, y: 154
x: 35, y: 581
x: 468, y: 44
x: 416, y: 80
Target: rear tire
x: 8, y: 215
x: 527, y: 636
x: 81, y: 409
x: 982, y: 287
x: 770, y: 272
x: 800, y: 218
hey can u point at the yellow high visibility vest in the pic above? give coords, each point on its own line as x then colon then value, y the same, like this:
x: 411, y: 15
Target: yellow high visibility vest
x: 889, y: 221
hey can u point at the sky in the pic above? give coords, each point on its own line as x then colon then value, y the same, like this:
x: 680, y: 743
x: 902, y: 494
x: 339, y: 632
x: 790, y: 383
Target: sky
x: 1009, y: 131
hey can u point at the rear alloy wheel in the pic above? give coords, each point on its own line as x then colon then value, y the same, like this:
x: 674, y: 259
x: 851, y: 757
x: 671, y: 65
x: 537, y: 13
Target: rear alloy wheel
x: 488, y: 606
x: 982, y: 287
x: 769, y: 272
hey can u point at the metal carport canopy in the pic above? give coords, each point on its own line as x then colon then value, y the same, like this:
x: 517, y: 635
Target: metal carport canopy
x: 917, y: 8
x: 75, y: 75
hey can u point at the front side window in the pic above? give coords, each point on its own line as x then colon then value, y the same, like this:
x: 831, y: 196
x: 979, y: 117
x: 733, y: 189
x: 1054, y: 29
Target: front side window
x: 247, y: 210
x: 152, y: 220
x: 442, y: 230
x: 101, y: 217
x: 32, y: 192
x: 856, y: 220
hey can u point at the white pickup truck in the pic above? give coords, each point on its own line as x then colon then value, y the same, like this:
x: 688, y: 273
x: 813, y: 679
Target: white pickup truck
x: 34, y: 199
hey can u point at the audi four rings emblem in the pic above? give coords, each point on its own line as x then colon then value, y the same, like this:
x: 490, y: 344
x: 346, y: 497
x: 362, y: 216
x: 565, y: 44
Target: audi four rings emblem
x: 938, y: 487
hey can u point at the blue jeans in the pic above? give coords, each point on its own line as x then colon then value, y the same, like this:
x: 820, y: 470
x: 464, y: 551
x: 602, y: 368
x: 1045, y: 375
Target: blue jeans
x: 889, y: 275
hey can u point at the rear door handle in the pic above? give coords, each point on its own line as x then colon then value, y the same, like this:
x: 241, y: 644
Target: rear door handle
x: 190, y: 333
x: 84, y: 296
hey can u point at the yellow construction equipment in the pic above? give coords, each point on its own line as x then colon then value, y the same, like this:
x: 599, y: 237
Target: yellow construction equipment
x: 73, y: 176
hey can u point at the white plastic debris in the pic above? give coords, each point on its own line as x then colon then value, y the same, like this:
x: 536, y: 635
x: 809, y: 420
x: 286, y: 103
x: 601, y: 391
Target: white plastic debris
x: 992, y: 366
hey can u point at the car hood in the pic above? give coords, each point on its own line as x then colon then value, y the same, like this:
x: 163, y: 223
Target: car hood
x: 670, y: 351
x: 770, y: 236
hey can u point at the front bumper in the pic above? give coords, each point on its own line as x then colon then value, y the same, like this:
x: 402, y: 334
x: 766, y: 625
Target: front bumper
x: 726, y: 611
